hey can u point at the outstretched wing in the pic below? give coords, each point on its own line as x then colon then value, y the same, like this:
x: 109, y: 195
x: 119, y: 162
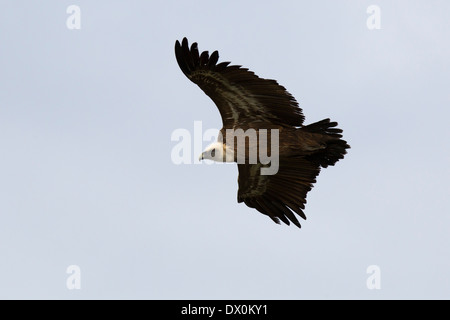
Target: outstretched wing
x: 279, y: 195
x: 240, y: 95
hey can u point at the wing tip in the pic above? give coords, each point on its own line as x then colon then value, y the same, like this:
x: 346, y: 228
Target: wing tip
x: 276, y: 211
x: 189, y: 58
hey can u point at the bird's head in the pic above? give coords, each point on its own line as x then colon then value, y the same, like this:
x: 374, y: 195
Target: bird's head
x: 219, y: 152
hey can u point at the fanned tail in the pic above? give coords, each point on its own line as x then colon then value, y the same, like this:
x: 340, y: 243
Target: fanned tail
x: 335, y: 148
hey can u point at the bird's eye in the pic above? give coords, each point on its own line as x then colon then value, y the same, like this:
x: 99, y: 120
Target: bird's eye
x: 213, y: 153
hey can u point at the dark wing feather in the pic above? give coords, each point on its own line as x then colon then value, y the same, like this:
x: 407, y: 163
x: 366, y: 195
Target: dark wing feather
x: 278, y: 196
x: 240, y: 95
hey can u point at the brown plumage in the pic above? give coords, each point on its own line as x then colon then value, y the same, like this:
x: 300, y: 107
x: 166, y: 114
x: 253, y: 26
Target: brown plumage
x: 246, y: 101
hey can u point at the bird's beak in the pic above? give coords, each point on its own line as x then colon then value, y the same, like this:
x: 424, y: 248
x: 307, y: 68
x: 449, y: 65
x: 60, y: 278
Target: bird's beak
x: 201, y: 157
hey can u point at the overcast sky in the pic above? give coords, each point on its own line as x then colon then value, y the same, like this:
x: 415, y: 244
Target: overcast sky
x: 87, y: 179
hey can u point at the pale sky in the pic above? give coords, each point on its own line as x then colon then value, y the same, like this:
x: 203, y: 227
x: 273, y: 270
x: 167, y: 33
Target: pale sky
x: 87, y: 179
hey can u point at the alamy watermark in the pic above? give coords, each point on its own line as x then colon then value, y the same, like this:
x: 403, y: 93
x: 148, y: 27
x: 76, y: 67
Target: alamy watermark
x: 374, y: 280
x: 374, y: 20
x: 250, y: 146
x: 73, y: 21
x: 73, y: 281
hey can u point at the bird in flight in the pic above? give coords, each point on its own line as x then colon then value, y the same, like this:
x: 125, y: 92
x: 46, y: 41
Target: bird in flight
x: 257, y: 107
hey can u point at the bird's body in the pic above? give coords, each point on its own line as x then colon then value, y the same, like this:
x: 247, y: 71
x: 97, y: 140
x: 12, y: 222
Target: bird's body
x: 292, y: 141
x: 260, y: 118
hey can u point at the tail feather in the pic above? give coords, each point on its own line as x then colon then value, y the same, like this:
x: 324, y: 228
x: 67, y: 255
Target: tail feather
x: 335, y: 146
